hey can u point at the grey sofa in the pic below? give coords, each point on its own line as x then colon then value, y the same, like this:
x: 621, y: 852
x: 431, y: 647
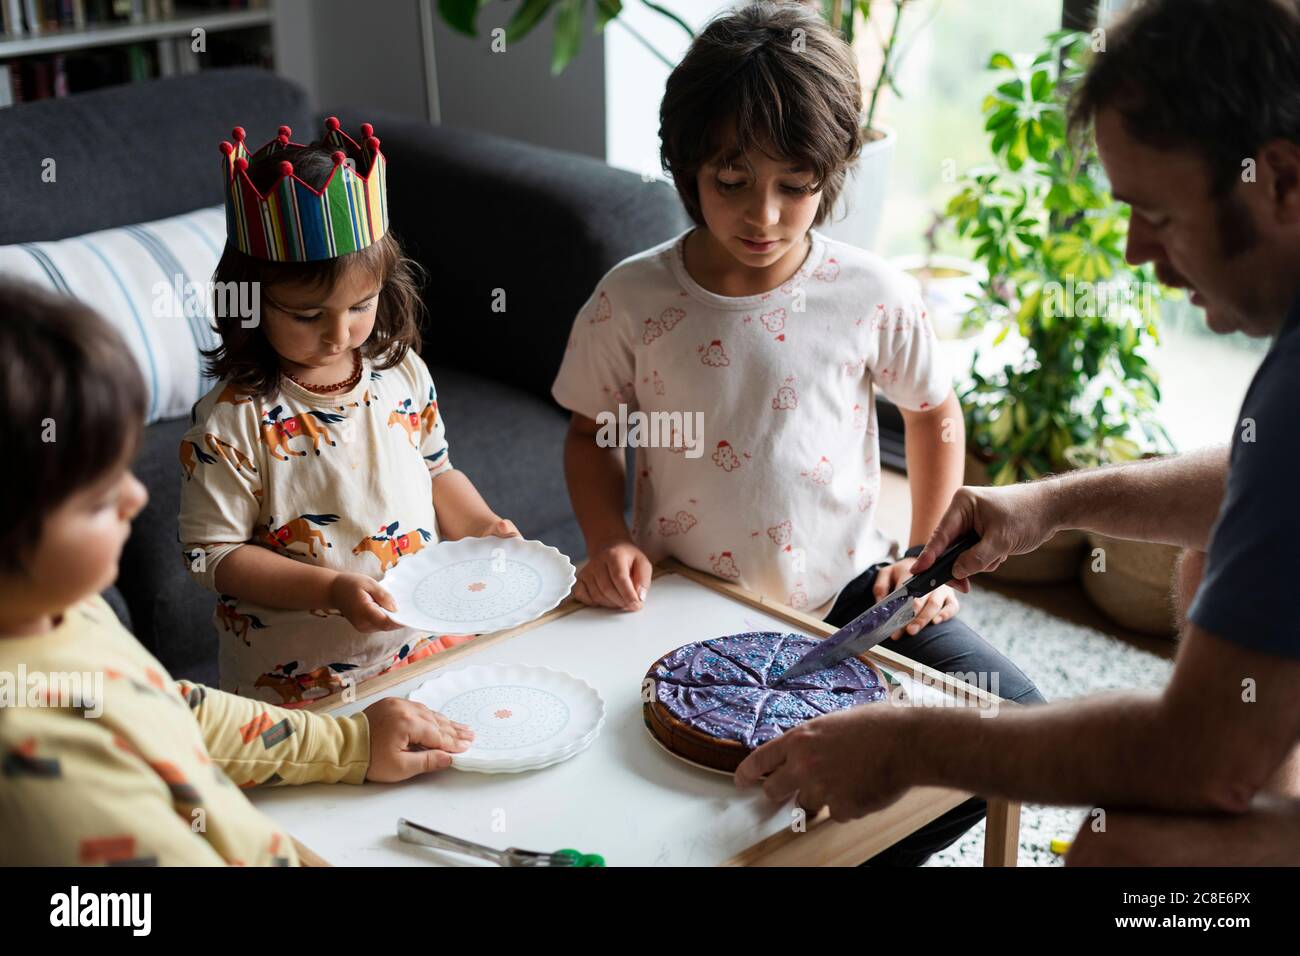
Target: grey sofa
x: 478, y: 212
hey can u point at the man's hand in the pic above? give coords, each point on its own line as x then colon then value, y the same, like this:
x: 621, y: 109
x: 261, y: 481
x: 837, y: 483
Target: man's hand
x: 407, y: 739
x: 616, y: 575
x: 939, y: 605
x: 1014, y: 519
x: 848, y: 761
x: 363, y: 601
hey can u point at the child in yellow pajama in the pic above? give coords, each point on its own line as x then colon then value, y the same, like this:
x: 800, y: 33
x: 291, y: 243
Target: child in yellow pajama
x: 104, y: 758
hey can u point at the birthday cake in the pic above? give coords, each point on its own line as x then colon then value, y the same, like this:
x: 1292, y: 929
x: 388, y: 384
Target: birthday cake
x: 712, y: 702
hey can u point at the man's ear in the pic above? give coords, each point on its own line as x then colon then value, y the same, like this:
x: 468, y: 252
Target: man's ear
x: 1279, y: 169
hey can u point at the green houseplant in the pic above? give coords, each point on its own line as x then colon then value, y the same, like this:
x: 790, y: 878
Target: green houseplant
x: 849, y: 17
x: 1051, y: 236
x: 1052, y: 239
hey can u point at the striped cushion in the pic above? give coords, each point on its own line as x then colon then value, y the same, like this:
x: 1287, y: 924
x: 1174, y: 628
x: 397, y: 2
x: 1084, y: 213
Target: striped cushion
x: 129, y: 275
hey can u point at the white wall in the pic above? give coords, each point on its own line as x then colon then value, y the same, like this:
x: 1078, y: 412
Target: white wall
x: 634, y: 78
x: 512, y: 93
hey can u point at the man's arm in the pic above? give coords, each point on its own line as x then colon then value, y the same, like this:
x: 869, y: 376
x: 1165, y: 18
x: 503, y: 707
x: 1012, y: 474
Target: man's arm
x: 1227, y: 720
x: 936, y: 456
x: 1171, y: 500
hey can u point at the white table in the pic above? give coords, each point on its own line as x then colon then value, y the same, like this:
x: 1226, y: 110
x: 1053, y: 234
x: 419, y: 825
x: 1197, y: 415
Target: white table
x: 624, y: 797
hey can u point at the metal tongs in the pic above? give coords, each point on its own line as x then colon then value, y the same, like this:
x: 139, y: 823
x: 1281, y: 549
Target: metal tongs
x: 410, y: 832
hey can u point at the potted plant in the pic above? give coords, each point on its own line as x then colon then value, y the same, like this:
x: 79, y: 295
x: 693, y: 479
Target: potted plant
x: 858, y: 212
x: 857, y: 218
x: 1052, y: 239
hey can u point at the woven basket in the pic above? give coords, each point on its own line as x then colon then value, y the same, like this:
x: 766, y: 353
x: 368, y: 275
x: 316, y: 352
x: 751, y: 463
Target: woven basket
x: 1136, y: 589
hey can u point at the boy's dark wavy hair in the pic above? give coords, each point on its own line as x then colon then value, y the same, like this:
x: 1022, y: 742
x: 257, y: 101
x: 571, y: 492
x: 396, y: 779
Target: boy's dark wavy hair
x: 245, y: 357
x: 61, y: 365
x: 784, y: 79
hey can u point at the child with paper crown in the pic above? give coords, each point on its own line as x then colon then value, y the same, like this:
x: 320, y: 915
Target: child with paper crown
x: 319, y: 460
x: 105, y: 759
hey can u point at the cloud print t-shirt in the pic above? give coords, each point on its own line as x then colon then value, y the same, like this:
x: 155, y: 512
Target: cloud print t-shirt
x: 781, y: 496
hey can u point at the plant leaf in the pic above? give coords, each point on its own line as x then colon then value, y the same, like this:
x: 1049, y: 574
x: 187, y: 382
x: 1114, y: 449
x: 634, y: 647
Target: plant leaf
x: 528, y: 15
x: 568, y: 34
x: 460, y: 15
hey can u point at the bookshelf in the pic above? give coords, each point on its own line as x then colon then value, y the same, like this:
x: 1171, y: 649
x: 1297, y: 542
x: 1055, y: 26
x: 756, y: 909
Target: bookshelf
x: 79, y: 45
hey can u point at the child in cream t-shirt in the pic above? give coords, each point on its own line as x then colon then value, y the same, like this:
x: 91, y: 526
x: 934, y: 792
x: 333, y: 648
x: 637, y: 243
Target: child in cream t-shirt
x: 773, y: 339
x: 782, y: 499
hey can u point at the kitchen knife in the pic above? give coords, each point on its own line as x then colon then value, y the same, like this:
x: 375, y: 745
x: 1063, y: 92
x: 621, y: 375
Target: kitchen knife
x: 889, y: 614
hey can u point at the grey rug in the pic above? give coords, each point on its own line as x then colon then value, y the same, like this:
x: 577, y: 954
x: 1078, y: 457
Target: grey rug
x: 1064, y: 660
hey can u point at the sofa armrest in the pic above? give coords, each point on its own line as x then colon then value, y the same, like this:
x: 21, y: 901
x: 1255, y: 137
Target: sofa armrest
x: 481, y: 213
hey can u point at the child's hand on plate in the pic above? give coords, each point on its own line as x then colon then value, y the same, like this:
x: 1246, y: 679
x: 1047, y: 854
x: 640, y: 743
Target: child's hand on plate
x: 407, y: 739
x: 939, y: 605
x: 616, y: 575
x: 362, y: 601
x: 497, y: 528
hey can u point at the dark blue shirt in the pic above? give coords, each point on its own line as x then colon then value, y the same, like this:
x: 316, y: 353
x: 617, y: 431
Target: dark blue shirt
x: 1251, y: 591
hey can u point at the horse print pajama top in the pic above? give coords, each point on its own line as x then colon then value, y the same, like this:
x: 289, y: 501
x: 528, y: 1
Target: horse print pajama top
x: 343, y: 481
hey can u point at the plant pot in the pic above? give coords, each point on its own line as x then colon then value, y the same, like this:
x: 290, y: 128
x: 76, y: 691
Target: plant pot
x: 1136, y: 589
x: 857, y: 213
x: 1053, y: 562
x: 949, y: 286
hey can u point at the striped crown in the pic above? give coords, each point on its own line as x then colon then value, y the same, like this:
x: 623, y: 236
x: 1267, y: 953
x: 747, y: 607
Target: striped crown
x: 293, y: 222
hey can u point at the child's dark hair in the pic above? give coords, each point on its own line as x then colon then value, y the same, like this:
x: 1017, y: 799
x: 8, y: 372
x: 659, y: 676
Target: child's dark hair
x: 74, y: 406
x: 244, y: 356
x: 787, y: 82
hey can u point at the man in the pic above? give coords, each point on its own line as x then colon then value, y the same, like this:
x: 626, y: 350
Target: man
x: 1196, y: 111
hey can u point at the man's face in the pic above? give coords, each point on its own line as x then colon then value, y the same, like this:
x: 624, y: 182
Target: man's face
x: 1219, y: 248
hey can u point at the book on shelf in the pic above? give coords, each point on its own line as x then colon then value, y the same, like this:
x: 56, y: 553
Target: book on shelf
x: 33, y: 18
x: 26, y: 76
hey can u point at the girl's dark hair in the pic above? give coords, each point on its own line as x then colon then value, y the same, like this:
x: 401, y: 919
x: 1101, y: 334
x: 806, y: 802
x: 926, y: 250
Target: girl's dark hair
x: 1219, y: 77
x: 785, y: 80
x: 73, y: 405
x: 245, y: 357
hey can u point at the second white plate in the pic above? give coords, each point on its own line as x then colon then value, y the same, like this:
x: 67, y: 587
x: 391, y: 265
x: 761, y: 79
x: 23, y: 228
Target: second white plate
x: 523, y: 717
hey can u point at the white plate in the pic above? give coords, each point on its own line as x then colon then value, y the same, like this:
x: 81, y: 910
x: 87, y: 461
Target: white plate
x: 523, y: 717
x: 478, y: 585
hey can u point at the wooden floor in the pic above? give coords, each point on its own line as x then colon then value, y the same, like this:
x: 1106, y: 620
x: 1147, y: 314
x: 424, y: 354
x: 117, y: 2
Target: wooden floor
x: 1066, y: 601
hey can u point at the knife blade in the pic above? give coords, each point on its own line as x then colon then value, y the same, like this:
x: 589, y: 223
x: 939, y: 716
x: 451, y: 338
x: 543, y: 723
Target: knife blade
x: 892, y: 612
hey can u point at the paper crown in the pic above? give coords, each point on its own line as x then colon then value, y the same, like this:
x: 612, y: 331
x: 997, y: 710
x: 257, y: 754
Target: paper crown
x: 293, y: 222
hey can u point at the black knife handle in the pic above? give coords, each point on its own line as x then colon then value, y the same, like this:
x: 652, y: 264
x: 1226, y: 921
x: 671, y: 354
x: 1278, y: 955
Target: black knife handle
x: 941, y: 571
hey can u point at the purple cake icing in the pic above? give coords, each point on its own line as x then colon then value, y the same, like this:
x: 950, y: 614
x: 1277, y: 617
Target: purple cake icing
x: 728, y: 687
